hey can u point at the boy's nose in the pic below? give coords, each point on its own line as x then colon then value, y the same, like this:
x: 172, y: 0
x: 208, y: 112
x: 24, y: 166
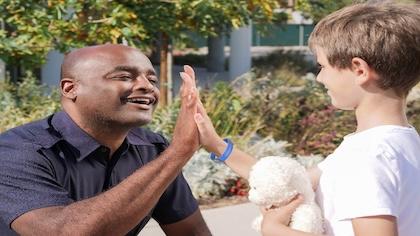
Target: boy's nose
x: 318, y: 79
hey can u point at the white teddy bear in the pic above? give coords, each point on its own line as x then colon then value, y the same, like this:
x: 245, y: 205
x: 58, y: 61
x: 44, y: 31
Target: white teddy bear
x: 274, y: 181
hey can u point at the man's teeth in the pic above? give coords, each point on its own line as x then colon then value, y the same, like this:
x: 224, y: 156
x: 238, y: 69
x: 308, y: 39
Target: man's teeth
x: 145, y: 101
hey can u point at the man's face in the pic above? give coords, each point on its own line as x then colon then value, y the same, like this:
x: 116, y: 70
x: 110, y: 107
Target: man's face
x: 116, y: 85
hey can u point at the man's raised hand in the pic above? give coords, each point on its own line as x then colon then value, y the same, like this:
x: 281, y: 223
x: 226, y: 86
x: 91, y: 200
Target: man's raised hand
x: 185, y: 138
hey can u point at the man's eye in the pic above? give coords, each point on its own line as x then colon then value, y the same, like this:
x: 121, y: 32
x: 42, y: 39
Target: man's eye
x: 122, y: 77
x: 153, y: 79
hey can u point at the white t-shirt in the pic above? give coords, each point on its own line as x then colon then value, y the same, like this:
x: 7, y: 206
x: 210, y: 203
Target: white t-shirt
x: 374, y: 172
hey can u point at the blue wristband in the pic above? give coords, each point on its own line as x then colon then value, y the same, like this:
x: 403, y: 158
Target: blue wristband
x: 225, y: 154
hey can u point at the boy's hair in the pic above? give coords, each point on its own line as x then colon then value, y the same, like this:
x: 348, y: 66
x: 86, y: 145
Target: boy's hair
x: 385, y: 35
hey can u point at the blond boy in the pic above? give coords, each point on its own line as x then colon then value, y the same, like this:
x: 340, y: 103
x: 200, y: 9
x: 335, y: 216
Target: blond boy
x: 369, y: 55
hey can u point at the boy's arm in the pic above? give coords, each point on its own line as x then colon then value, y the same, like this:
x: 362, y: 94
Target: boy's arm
x: 238, y: 161
x: 383, y: 225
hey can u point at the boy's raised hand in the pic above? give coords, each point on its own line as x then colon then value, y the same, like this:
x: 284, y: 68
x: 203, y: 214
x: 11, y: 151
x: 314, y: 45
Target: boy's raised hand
x: 209, y: 138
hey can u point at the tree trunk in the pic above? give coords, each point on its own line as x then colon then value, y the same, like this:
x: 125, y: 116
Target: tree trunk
x: 155, y: 55
x: 165, y: 71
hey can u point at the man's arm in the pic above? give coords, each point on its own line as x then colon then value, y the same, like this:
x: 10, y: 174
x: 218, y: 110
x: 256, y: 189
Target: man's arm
x: 118, y: 210
x: 192, y: 225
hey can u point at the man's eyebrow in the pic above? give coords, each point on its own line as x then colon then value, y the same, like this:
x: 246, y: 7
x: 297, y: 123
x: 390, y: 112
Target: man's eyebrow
x: 130, y: 69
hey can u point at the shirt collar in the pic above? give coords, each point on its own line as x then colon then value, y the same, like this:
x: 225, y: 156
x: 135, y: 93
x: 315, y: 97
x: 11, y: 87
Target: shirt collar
x: 69, y: 131
x: 82, y: 142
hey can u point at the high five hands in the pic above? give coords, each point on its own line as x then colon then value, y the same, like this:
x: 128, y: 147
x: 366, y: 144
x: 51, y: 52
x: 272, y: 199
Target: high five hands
x: 185, y: 138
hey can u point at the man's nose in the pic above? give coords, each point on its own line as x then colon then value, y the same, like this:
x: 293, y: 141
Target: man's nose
x: 143, y: 83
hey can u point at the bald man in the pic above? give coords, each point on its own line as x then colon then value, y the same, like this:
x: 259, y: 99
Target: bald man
x: 89, y: 169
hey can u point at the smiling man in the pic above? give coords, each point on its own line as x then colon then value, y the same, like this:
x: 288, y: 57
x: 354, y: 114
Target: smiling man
x: 89, y: 169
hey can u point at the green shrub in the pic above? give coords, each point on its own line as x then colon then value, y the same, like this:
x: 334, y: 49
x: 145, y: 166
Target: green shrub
x: 227, y: 109
x: 295, y: 109
x: 25, y: 102
x: 293, y: 61
x: 413, y: 107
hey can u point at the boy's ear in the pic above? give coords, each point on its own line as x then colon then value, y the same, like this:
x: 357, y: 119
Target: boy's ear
x: 363, y: 71
x: 68, y: 88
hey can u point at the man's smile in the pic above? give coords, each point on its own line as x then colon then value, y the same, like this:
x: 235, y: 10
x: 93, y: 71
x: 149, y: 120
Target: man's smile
x: 143, y: 102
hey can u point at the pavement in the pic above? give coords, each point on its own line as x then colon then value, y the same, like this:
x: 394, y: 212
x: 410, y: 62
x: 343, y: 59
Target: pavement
x: 222, y: 221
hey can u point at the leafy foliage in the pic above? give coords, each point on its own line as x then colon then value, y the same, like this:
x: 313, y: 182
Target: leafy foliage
x: 318, y: 9
x: 210, y: 18
x: 25, y: 102
x: 295, y: 109
x: 228, y: 113
x: 209, y: 179
x: 33, y: 28
x: 30, y: 29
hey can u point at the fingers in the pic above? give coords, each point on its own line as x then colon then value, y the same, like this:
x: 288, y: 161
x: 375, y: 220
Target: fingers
x: 192, y: 99
x: 187, y: 82
x: 199, y: 120
x: 190, y: 71
x: 263, y: 210
x: 294, y: 203
x: 187, y: 87
x: 201, y: 109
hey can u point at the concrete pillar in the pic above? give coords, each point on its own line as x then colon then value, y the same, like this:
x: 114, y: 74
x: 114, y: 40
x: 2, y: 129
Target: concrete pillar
x: 216, y: 53
x: 50, y: 71
x: 301, y: 35
x: 240, y: 51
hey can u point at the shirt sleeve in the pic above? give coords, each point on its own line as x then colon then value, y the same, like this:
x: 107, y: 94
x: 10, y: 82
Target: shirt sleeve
x: 367, y: 187
x: 176, y: 203
x: 26, y: 181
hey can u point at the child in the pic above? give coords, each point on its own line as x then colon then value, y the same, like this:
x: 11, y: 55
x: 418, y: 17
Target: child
x: 369, y: 56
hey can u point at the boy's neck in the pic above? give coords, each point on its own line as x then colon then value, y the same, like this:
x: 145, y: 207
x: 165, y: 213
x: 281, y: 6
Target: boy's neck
x: 381, y: 109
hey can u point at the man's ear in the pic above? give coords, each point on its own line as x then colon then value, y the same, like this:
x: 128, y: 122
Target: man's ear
x: 68, y: 88
x: 364, y: 73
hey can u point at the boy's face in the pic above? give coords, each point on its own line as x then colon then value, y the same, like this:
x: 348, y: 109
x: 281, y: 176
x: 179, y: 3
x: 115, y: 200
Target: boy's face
x: 345, y: 94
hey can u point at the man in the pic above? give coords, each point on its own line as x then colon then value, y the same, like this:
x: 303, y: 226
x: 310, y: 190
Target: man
x: 88, y: 170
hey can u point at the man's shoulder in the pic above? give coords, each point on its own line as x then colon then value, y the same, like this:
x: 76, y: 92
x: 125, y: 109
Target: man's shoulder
x: 145, y: 136
x: 29, y: 133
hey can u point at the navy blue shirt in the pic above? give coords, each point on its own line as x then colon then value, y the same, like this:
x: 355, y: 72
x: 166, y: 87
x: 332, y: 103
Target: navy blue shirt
x: 52, y: 162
